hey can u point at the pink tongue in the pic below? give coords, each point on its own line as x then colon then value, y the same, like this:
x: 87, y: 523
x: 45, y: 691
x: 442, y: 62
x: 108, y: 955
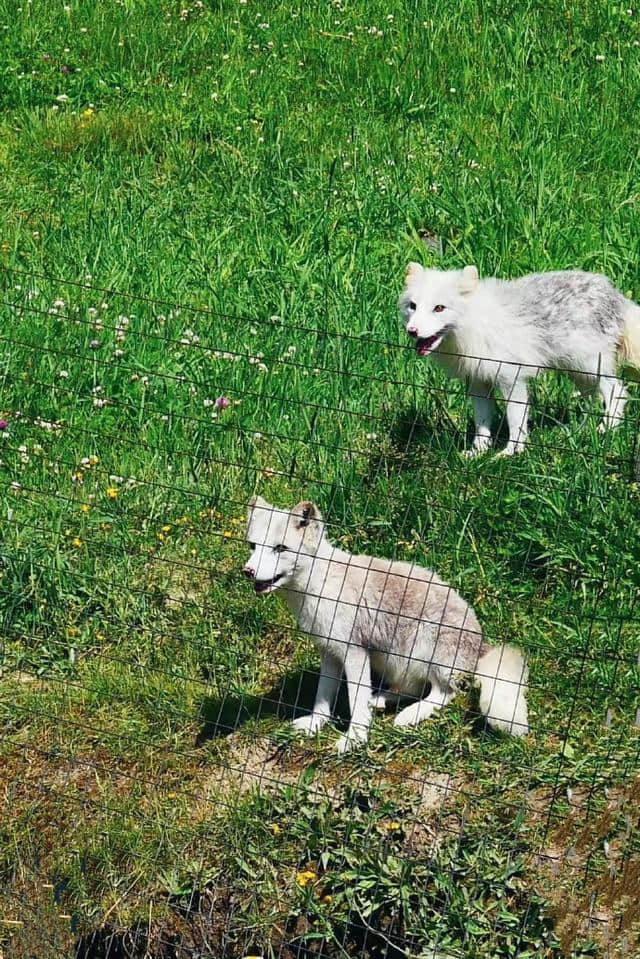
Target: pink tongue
x: 424, y: 350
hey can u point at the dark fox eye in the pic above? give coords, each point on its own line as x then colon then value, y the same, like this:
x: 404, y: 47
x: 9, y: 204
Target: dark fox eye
x: 439, y: 308
x: 411, y: 304
x: 280, y: 549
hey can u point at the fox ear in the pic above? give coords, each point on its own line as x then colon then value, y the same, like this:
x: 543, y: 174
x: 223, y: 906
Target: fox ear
x: 306, y: 513
x: 414, y: 271
x: 469, y: 279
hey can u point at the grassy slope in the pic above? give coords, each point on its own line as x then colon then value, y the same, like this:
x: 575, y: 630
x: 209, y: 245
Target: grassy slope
x: 272, y: 169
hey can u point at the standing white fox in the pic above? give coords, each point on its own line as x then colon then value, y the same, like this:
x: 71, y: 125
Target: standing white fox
x: 501, y: 333
x: 416, y: 633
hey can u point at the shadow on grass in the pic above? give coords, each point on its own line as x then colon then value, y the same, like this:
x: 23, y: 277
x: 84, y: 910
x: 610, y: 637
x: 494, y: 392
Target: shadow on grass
x: 412, y: 432
x: 291, y: 697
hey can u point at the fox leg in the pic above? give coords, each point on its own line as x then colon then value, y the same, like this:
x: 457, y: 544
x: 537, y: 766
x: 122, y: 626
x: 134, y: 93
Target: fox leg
x: 330, y: 673
x: 417, y: 712
x: 484, y: 409
x: 614, y: 393
x: 517, y: 398
x: 357, y: 672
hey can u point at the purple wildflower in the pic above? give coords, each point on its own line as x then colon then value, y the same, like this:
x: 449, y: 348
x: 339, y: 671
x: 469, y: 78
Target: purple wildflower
x: 222, y: 402
x: 4, y: 425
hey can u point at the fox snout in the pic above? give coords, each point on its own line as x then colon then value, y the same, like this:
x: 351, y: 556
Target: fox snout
x: 249, y: 572
x: 412, y: 330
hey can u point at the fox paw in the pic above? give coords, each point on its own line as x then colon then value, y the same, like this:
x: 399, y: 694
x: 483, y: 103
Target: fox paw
x: 309, y: 725
x: 512, y: 447
x: 350, y: 741
x: 480, y: 446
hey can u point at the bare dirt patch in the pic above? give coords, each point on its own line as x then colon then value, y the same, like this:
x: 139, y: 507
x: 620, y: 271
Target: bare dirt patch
x: 589, y: 868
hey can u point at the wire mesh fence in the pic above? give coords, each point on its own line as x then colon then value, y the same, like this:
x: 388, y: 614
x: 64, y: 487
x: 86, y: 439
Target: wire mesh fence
x: 159, y: 796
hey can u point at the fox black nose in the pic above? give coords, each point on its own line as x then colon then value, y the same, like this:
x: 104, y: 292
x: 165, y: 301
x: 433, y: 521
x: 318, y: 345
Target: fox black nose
x: 412, y: 330
x: 249, y: 572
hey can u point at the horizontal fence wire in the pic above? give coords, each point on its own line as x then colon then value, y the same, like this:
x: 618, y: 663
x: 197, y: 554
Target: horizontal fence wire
x: 110, y: 594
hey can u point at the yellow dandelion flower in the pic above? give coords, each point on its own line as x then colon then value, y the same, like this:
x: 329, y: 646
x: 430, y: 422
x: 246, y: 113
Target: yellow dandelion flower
x: 166, y: 529
x: 327, y: 899
x: 76, y: 542
x: 275, y: 828
x: 87, y: 114
x: 391, y: 826
x: 113, y: 492
x: 305, y: 877
x: 94, y: 460
x: 85, y: 508
x: 227, y: 534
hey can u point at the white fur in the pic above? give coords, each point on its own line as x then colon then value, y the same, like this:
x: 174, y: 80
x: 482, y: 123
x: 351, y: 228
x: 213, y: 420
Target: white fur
x: 629, y: 352
x: 499, y: 334
x: 503, y: 676
x: 401, y: 620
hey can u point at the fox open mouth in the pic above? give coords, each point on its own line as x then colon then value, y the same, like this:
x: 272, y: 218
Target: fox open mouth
x: 427, y: 344
x: 267, y: 585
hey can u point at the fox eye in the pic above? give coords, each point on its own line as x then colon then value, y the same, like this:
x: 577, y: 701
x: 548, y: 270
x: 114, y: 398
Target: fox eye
x: 439, y: 308
x: 280, y: 549
x: 412, y: 305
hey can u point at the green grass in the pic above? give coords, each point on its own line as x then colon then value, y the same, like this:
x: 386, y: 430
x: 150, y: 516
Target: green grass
x: 253, y: 182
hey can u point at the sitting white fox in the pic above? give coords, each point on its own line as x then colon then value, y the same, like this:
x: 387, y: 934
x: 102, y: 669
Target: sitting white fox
x: 501, y: 333
x: 399, y: 620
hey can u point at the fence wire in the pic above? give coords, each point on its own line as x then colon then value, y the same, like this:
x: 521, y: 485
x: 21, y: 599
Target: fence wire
x: 159, y: 795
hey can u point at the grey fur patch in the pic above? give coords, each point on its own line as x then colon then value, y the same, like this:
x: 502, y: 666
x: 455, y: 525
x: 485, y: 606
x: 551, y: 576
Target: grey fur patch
x: 568, y: 298
x: 397, y: 600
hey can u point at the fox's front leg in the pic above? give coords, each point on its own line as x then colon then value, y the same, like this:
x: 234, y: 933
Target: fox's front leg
x: 484, y: 410
x: 516, y: 395
x: 330, y: 674
x: 357, y: 671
